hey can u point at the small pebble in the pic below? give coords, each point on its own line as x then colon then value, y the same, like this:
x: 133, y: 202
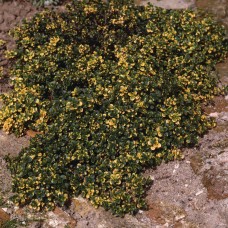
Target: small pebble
x: 16, y: 208
x: 214, y: 114
x: 5, y: 209
x: 199, y: 192
x: 179, y: 217
x: 152, y: 177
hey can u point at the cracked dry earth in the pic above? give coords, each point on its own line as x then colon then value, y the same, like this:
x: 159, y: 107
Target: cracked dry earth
x: 190, y: 193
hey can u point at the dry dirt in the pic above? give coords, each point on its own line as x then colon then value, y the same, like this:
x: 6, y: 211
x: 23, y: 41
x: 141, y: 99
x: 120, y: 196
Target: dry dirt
x: 192, y: 192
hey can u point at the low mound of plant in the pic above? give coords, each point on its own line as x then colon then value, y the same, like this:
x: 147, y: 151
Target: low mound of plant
x: 114, y: 88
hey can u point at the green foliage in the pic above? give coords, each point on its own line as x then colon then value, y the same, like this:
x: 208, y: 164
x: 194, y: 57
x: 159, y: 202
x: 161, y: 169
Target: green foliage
x: 115, y: 89
x: 10, y: 224
x: 1, y: 200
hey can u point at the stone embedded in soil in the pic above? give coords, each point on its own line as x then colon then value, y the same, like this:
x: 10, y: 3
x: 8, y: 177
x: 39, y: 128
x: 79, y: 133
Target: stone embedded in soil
x: 3, y: 217
x: 3, y: 62
x: 81, y: 207
x: 211, y: 162
x: 222, y: 69
x: 3, y: 36
x: 15, y: 8
x: 219, y: 8
x: 88, y: 216
x: 19, y: 212
x: 12, y: 145
x: 4, y: 27
x: 216, y: 182
x: 164, y: 212
x: 169, y: 4
x: 30, y: 218
x: 223, y: 144
x: 10, y: 45
x: 27, y: 8
x: 8, y: 17
x: 184, y: 224
x: 5, y: 6
x: 217, y: 106
x: 11, y: 14
x: 59, y: 218
x: 1, y: 19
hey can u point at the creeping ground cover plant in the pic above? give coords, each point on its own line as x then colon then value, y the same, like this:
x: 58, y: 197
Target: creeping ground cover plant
x: 114, y: 88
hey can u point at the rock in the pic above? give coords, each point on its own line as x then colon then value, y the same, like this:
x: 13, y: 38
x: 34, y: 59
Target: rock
x: 61, y: 8
x: 30, y: 14
x: 217, y: 7
x: 4, y: 27
x: 10, y: 144
x: 19, y: 211
x: 81, y: 207
x: 28, y: 217
x: 224, y: 116
x: 11, y: 45
x: 223, y: 144
x: 1, y: 19
x: 176, y: 168
x: 14, y: 9
x: 8, y: 17
x: 5, y: 6
x: 211, y: 162
x: 199, y: 192
x: 4, y: 62
x: 180, y: 217
x: 219, y: 105
x: 155, y: 213
x: 2, y: 36
x: 216, y: 182
x: 184, y: 224
x: 59, y: 219
x: 214, y: 114
x: 169, y: 4
x: 26, y: 9
x: 3, y: 217
x: 222, y: 69
x: 3, y: 89
x: 164, y: 212
x: 88, y: 216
